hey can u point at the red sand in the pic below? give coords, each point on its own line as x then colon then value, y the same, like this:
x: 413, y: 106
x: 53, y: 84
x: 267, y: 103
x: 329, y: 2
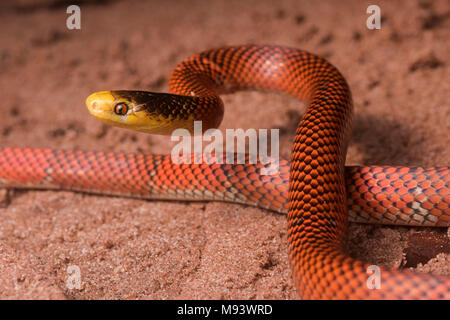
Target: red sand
x: 132, y: 249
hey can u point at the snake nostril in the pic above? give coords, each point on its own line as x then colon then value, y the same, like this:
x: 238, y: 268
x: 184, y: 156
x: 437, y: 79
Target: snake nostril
x: 94, y: 105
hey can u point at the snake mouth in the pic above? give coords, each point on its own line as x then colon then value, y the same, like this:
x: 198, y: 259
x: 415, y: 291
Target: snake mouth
x: 101, y: 106
x: 100, y: 103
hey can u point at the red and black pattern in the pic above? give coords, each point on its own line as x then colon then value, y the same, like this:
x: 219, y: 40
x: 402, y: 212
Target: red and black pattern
x: 320, y: 188
x: 386, y: 195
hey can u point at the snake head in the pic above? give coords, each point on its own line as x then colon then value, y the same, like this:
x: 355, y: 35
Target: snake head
x: 139, y: 110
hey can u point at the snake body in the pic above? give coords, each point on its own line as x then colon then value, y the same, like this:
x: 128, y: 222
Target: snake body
x: 315, y: 189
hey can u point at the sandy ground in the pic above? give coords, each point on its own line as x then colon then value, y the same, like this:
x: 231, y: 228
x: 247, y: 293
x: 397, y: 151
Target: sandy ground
x: 132, y: 249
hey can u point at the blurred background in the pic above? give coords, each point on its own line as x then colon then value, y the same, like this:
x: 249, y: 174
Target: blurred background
x: 140, y: 249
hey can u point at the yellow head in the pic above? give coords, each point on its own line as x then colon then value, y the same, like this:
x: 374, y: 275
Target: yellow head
x: 155, y: 113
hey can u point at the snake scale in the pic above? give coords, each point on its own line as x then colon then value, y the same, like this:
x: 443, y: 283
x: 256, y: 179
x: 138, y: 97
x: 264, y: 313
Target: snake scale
x: 316, y: 190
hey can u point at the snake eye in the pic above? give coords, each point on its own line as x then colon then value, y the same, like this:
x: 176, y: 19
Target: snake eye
x: 121, y: 109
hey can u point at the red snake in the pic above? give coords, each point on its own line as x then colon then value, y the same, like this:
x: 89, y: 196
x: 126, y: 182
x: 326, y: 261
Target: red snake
x: 316, y: 190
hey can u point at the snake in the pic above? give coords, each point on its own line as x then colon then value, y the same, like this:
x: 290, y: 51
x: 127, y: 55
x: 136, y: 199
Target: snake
x: 314, y: 188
